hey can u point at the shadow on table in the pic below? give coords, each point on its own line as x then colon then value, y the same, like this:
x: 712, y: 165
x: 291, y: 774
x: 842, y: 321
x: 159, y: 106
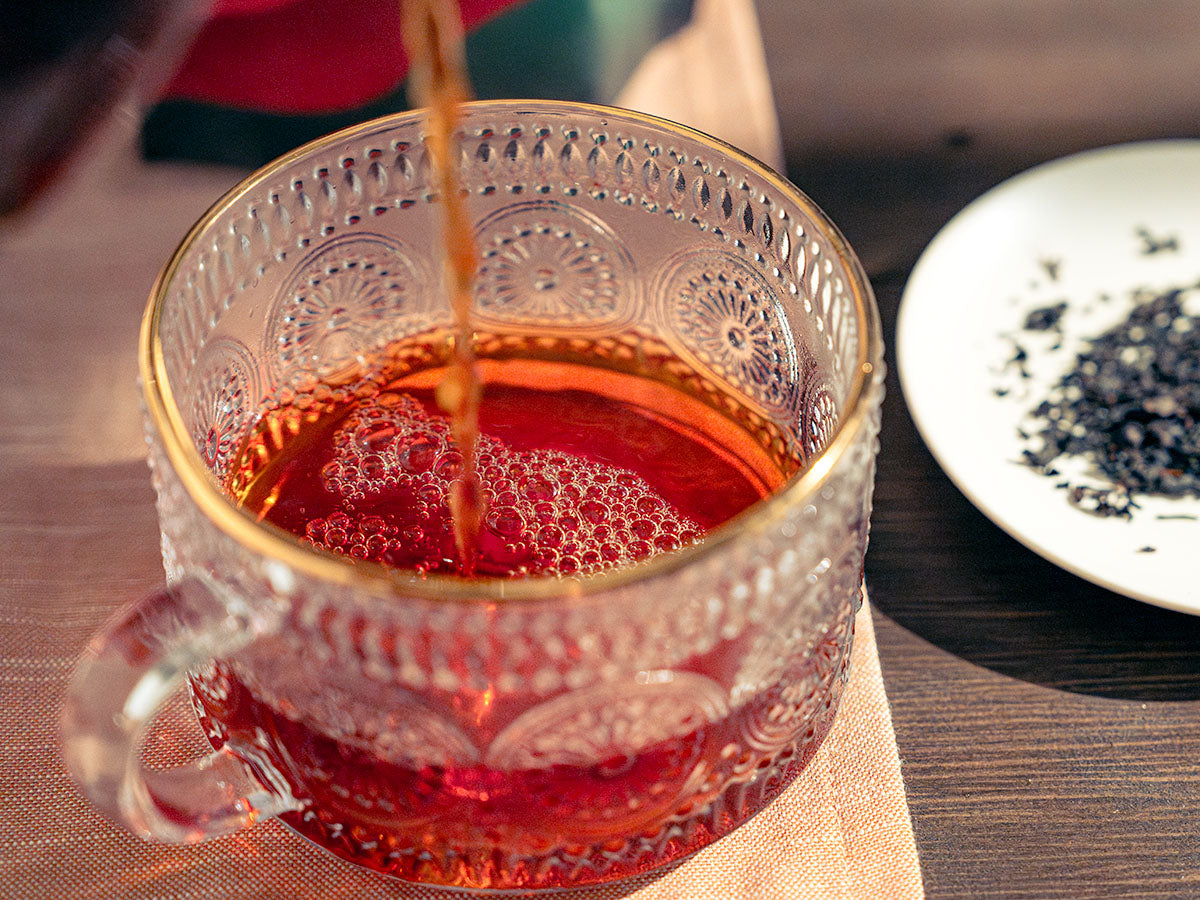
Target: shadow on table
x: 941, y: 569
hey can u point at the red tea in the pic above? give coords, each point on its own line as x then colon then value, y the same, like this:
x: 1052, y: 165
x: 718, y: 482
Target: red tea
x: 582, y: 468
x: 573, y: 477
x: 480, y: 824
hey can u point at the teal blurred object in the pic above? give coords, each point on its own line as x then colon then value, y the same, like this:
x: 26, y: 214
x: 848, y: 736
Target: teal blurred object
x: 568, y: 49
x: 554, y: 49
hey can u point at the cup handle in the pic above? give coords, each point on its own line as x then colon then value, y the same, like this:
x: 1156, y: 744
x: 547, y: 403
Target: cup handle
x: 129, y: 670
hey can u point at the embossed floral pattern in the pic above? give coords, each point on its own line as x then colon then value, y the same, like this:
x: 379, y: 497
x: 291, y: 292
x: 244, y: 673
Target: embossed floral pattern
x: 545, y: 263
x: 350, y: 297
x: 799, y: 696
x: 818, y: 416
x: 587, y: 726
x: 729, y: 320
x: 394, y: 724
x: 224, y: 388
x: 646, y: 737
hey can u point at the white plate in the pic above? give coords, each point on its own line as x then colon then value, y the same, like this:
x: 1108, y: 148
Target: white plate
x: 977, y: 281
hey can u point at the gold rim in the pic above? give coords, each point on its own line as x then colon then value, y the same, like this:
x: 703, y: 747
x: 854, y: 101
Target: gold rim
x: 277, y: 544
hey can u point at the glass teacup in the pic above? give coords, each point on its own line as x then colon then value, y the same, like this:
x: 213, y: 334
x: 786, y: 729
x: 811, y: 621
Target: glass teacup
x: 488, y: 732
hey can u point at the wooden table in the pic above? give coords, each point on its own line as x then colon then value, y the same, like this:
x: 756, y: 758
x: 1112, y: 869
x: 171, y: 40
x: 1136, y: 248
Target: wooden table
x: 1049, y: 729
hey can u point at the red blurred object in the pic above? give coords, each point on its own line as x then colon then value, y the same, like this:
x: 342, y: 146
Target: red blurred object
x: 302, y: 56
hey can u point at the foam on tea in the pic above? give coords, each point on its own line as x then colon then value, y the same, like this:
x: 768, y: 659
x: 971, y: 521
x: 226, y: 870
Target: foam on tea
x: 579, y: 469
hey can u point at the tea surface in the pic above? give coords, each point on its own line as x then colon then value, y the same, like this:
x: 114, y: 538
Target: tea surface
x: 580, y: 469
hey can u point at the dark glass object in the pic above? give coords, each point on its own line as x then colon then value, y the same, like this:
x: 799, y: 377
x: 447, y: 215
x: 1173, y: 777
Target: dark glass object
x: 64, y: 64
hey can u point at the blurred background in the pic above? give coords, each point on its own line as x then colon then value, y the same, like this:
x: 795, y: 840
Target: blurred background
x: 892, y: 114
x: 895, y: 113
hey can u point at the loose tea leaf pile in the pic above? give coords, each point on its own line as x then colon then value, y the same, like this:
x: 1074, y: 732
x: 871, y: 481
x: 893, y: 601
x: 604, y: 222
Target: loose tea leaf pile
x: 1130, y: 407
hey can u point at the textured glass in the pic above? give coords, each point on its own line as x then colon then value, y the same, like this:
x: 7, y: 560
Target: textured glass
x: 601, y: 234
